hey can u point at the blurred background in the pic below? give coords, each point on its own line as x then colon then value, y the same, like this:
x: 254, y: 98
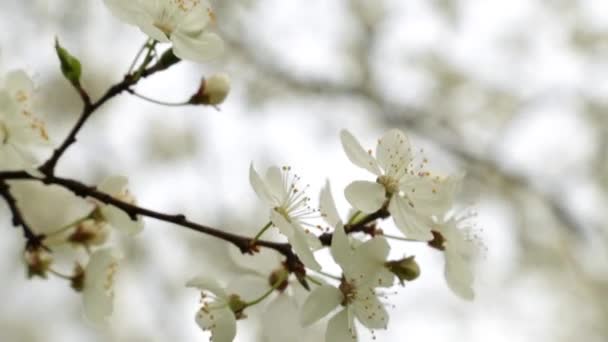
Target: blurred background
x: 511, y: 92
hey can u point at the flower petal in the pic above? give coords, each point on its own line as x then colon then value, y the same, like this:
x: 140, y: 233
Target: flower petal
x: 340, y: 248
x: 274, y: 181
x: 459, y: 275
x: 260, y: 188
x: 221, y: 322
x: 299, y: 242
x: 369, y: 310
x: 121, y: 221
x: 357, y: 155
x: 126, y: 11
x: 365, y: 196
x: 341, y: 328
x: 393, y: 153
x: 98, y: 291
x: 113, y: 185
x: 328, y: 206
x: 411, y: 223
x: 280, y: 321
x: 205, y: 283
x: 201, y: 48
x: 319, y: 303
x: 431, y: 195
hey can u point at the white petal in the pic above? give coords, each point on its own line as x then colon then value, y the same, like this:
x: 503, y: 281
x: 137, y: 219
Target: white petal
x: 341, y: 328
x: 357, y: 155
x: 263, y: 263
x: 369, y: 310
x: 280, y: 321
x: 299, y: 242
x: 274, y: 181
x: 205, y: 283
x: 459, y: 275
x: 393, y: 153
x: 98, y: 291
x: 121, y: 221
x: 319, y: 303
x: 221, y: 322
x: 17, y: 81
x: 412, y: 224
x: 281, y: 222
x: 126, y: 11
x: 431, y: 195
x: 328, y: 206
x: 368, y: 262
x: 199, y: 49
x: 260, y: 188
x: 196, y: 19
x: 365, y: 196
x: 249, y: 287
x: 340, y: 248
x: 113, y: 185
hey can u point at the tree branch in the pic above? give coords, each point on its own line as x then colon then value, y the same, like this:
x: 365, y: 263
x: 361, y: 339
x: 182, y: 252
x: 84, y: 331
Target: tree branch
x: 33, y: 240
x: 89, y: 107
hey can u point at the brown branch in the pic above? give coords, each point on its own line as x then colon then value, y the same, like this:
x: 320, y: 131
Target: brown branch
x: 89, y: 107
x: 33, y: 240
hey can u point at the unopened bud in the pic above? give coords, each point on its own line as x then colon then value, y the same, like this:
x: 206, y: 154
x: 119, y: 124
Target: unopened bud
x: 404, y: 269
x: 38, y: 261
x: 213, y: 90
x: 70, y: 65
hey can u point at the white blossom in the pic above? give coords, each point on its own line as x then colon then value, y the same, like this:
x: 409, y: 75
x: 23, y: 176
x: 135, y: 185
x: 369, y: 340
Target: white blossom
x: 184, y: 23
x: 20, y: 130
x: 290, y: 210
x: 413, y: 195
x: 216, y: 314
x: 356, y: 293
x: 455, y: 237
x: 116, y: 186
x: 98, y: 288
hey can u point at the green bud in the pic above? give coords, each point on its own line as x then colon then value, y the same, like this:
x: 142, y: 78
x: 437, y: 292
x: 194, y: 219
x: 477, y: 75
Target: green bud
x: 70, y: 65
x: 404, y: 269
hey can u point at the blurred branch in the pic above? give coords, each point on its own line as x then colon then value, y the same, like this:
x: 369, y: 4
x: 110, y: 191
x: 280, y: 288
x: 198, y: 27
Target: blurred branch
x: 416, y: 119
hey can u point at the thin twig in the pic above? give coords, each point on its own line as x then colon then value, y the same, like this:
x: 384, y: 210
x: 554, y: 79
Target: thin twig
x: 33, y: 240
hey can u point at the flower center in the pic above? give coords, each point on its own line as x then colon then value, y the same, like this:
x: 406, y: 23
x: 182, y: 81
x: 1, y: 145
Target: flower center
x: 348, y: 291
x: 391, y: 184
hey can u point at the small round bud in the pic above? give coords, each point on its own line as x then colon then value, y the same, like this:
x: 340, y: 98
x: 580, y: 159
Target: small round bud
x: 404, y: 269
x: 213, y: 90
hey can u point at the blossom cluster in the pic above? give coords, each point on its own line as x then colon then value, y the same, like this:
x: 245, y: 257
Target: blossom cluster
x: 421, y: 205
x: 287, y: 277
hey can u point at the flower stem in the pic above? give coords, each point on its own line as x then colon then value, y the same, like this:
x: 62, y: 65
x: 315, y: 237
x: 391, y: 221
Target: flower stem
x: 400, y: 238
x: 162, y: 103
x: 141, y: 50
x: 59, y: 274
x: 355, y: 216
x: 329, y: 275
x: 275, y: 286
x: 260, y: 233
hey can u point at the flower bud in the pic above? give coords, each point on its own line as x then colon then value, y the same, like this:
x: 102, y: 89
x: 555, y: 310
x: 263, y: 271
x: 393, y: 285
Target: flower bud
x: 77, y: 280
x: 276, y: 276
x: 213, y: 90
x: 70, y: 65
x: 38, y: 261
x: 404, y: 269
